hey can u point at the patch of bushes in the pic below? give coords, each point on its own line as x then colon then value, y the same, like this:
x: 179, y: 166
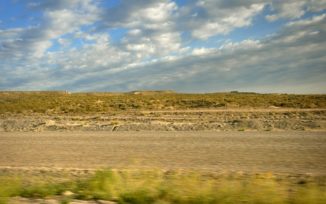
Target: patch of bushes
x: 80, y: 103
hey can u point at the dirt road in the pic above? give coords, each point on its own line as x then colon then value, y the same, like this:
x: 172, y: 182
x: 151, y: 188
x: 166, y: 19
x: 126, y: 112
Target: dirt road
x: 283, y: 152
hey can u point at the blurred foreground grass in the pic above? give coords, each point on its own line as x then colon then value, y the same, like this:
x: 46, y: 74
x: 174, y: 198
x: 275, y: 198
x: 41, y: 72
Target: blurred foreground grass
x: 162, y: 187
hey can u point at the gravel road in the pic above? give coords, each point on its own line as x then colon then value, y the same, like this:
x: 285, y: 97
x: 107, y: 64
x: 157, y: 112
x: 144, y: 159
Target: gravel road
x: 282, y: 152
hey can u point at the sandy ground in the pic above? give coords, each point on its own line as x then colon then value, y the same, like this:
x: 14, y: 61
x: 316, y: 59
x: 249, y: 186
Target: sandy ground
x: 281, y: 152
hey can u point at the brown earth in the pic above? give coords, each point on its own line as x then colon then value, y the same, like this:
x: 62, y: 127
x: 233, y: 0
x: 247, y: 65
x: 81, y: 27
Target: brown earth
x: 280, y: 152
x: 177, y: 120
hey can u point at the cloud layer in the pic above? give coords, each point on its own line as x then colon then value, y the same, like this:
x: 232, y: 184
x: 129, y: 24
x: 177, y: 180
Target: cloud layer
x: 84, y: 45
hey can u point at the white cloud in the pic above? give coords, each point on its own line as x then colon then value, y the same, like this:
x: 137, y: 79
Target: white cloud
x: 287, y: 9
x: 60, y: 17
x: 307, y: 22
x: 316, y: 5
x: 245, y: 44
x: 135, y: 32
x: 155, y: 54
x: 222, y: 20
x: 40, y: 47
x: 267, y: 65
x: 159, y: 13
x: 294, y: 9
x: 156, y: 44
x: 152, y: 28
x: 203, y: 51
x: 141, y: 14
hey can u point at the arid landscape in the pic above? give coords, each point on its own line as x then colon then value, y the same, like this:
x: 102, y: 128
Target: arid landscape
x: 163, y: 102
x: 226, y: 139
x: 160, y: 111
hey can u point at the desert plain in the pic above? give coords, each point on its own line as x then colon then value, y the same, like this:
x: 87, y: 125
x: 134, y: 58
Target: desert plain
x: 126, y: 146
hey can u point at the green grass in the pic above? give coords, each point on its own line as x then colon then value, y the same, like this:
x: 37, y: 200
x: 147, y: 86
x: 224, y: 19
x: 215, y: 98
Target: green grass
x: 80, y: 103
x: 144, y: 187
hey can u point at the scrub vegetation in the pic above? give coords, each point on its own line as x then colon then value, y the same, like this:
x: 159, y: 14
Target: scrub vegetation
x: 154, y: 186
x: 80, y: 103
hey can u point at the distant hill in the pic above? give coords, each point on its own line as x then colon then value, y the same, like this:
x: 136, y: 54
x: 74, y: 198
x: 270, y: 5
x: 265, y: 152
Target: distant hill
x: 151, y: 92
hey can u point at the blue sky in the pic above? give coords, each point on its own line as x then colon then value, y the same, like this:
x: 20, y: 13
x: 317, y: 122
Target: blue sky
x: 184, y: 45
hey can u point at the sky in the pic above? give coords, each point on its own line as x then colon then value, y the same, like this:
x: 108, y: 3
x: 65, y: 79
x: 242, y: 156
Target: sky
x: 265, y: 46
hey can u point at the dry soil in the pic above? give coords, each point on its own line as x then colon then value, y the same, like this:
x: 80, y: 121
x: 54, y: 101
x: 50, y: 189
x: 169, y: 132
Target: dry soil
x: 280, y: 152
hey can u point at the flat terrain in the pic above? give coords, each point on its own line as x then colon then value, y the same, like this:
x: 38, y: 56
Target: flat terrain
x: 160, y: 111
x: 63, y: 103
x: 280, y: 152
x: 162, y: 146
x: 268, y: 119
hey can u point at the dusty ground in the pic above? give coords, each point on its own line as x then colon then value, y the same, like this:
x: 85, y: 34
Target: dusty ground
x: 280, y: 152
x: 177, y: 120
x: 283, y: 141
